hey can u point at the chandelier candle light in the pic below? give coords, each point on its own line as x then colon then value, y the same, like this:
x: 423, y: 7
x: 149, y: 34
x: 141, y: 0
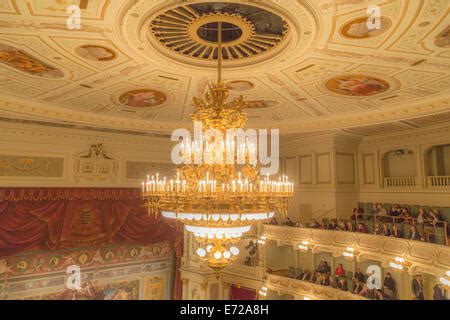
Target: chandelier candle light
x: 218, y: 201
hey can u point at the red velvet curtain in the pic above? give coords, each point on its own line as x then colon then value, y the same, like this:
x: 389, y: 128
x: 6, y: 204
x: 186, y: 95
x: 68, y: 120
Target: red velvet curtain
x: 55, y: 218
x: 238, y: 293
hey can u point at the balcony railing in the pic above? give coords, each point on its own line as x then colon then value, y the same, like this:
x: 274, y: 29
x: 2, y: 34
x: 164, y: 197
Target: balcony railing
x: 428, y: 257
x: 439, y: 181
x: 308, y: 289
x: 400, y: 182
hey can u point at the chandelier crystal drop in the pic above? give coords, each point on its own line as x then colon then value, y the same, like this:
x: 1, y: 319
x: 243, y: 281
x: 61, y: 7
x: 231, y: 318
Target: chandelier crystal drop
x: 218, y: 201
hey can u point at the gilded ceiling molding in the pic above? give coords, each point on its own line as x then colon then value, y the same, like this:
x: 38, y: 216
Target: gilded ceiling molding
x: 58, y: 114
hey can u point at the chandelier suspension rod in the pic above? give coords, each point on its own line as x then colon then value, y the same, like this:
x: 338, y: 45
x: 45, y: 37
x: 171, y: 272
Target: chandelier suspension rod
x: 219, y: 52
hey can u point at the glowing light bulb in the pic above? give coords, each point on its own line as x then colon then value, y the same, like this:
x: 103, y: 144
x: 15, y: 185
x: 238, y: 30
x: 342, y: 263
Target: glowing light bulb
x: 201, y: 252
x: 208, y: 248
x: 234, y: 251
x: 217, y: 255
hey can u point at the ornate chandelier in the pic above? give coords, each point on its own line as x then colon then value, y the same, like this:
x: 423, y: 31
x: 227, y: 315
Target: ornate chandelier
x: 218, y: 201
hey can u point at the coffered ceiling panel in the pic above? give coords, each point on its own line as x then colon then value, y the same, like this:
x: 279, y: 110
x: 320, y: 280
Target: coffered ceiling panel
x: 302, y: 66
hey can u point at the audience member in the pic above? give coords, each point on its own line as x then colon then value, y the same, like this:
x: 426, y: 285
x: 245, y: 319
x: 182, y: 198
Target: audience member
x: 416, y: 235
x: 389, y: 285
x: 421, y: 216
x: 396, y: 232
x: 359, y: 275
x: 386, y: 231
x: 361, y: 228
x: 342, y: 284
x: 349, y: 227
x: 289, y: 222
x: 333, y: 225
x: 273, y: 221
x: 340, y: 271
x: 376, y: 229
x: 314, y: 224
x: 417, y: 288
x: 438, y: 293
x: 357, y: 286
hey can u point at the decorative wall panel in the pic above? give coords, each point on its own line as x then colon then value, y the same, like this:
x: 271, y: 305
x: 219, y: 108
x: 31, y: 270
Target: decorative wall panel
x: 31, y: 166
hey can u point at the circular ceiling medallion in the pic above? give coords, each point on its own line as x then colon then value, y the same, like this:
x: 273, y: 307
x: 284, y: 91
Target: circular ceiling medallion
x: 357, y: 85
x: 240, y: 85
x: 192, y: 30
x: 358, y: 29
x: 143, y: 98
x: 95, y: 53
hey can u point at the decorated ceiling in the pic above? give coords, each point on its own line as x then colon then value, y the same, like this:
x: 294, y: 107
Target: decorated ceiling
x: 302, y: 66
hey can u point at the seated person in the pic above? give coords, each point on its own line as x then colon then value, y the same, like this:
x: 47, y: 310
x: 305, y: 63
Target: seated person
x: 375, y: 208
x: 417, y: 288
x: 389, y: 285
x: 421, y: 217
x: 361, y: 228
x: 357, y: 286
x: 341, y: 226
x: 342, y: 284
x: 349, y: 227
x: 416, y: 235
x: 289, y: 222
x: 273, y: 221
x: 325, y: 280
x: 381, y: 211
x: 340, y: 271
x: 386, y: 231
x: 314, y: 224
x: 359, y: 275
x: 333, y: 225
x: 434, y: 217
x: 326, y: 269
x: 365, y: 292
x: 379, y: 295
x: 323, y: 225
x: 306, y: 276
x: 396, y: 232
x: 395, y: 212
x: 357, y: 214
x: 377, y: 229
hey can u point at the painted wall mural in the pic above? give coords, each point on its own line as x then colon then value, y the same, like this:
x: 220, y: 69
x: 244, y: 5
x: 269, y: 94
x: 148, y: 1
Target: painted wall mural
x: 357, y: 85
x: 154, y: 288
x: 22, y: 61
x: 114, y: 272
x: 143, y: 98
x: 357, y: 28
x: 95, y: 53
x: 31, y: 166
x: 125, y: 290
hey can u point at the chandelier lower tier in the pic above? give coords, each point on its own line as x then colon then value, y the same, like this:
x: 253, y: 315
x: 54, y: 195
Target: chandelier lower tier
x: 218, y: 201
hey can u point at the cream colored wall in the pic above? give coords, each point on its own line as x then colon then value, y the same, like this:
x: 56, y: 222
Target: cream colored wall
x: 26, y: 141
x: 333, y: 172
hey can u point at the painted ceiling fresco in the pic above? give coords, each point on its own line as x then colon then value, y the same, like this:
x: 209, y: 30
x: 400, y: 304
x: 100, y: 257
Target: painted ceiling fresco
x: 300, y: 65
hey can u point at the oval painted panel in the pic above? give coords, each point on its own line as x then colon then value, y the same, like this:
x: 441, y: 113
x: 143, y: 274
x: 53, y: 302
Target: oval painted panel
x: 143, y: 98
x: 357, y: 85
